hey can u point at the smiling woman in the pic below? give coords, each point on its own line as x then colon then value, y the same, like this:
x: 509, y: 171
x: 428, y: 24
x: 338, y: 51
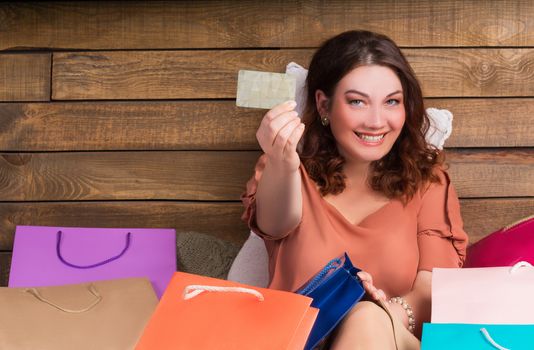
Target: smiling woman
x: 365, y: 182
x: 363, y: 106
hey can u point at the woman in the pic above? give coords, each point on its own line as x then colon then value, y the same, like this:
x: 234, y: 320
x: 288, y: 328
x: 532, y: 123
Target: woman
x: 365, y: 182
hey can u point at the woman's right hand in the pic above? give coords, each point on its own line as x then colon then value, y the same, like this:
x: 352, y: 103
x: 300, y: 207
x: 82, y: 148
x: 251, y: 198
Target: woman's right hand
x: 367, y: 281
x: 279, y: 134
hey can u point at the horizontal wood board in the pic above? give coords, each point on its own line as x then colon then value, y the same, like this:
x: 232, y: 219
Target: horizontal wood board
x: 191, y: 74
x: 277, y: 23
x: 25, y: 77
x: 220, y: 125
x: 215, y: 176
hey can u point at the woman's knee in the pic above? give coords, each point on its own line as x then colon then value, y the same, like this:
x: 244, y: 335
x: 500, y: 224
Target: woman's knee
x: 366, y: 326
x: 369, y: 317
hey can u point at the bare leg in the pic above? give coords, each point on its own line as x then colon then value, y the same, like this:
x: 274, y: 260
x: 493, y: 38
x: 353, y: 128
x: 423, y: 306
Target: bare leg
x: 367, y: 326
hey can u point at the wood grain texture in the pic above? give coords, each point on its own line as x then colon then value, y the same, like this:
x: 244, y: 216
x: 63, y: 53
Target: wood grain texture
x: 25, y: 77
x: 474, y: 72
x: 161, y: 74
x: 484, y: 216
x: 489, y: 122
x: 113, y: 75
x: 186, y: 125
x: 221, y: 220
x: 499, y: 173
x: 214, y: 176
x: 217, y: 125
x: 125, y: 175
x: 277, y: 23
x: 5, y: 265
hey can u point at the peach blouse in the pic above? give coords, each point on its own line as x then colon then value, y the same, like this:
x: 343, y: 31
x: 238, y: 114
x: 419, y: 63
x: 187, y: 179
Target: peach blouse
x: 392, y: 244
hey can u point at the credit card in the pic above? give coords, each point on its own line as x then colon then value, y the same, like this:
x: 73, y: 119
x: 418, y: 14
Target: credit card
x: 264, y: 89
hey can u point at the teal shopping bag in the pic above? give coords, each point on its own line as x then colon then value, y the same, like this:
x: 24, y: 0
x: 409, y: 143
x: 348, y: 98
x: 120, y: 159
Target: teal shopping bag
x: 461, y: 336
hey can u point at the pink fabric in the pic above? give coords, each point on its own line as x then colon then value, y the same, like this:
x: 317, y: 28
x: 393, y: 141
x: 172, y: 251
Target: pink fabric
x: 504, y: 247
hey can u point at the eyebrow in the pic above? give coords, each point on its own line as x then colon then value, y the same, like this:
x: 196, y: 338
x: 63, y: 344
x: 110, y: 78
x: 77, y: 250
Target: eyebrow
x: 365, y: 95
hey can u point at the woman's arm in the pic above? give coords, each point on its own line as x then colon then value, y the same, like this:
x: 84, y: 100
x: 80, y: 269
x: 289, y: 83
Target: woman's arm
x: 419, y: 298
x: 279, y: 196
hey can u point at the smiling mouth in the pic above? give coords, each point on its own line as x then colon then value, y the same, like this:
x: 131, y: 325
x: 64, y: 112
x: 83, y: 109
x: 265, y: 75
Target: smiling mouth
x: 370, y: 138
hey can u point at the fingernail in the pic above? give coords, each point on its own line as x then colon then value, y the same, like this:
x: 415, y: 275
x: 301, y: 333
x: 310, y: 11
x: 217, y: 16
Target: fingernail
x: 291, y: 103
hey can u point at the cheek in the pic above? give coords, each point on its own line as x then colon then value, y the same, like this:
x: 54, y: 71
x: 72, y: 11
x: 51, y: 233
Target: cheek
x: 397, y: 121
x: 344, y: 120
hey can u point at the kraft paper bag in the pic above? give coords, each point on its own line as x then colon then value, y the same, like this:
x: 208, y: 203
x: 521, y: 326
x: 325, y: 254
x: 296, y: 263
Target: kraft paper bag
x: 49, y: 256
x: 204, y: 313
x: 104, y: 315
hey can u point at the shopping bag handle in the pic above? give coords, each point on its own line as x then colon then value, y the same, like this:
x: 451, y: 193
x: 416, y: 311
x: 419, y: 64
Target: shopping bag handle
x: 58, y: 252
x: 332, y: 265
x: 492, y: 342
x: 90, y: 287
x: 193, y: 290
x: 519, y: 265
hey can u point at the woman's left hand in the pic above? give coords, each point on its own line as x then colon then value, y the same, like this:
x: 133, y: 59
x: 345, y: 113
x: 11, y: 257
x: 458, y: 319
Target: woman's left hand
x: 375, y: 293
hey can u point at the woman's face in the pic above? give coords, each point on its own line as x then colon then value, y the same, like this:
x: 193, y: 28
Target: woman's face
x: 367, y: 113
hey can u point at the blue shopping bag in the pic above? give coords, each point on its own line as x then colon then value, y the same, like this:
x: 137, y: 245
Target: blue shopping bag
x: 461, y: 336
x: 334, y: 290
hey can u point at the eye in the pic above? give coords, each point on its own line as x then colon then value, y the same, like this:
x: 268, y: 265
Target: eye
x: 356, y: 102
x: 392, y: 102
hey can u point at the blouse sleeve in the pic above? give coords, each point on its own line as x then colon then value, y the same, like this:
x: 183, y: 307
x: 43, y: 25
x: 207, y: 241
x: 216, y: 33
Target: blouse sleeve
x: 249, y: 199
x: 440, y: 235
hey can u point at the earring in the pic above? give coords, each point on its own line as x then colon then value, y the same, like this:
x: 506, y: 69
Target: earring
x: 324, y: 120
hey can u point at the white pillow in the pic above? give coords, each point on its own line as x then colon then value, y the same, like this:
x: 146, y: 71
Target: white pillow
x: 251, y: 265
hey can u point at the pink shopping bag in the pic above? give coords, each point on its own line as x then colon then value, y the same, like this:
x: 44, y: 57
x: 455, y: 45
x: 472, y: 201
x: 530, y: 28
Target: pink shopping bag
x: 504, y: 247
x: 49, y: 256
x: 487, y: 295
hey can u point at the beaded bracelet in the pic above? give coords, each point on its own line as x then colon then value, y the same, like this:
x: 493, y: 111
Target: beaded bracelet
x: 408, y: 309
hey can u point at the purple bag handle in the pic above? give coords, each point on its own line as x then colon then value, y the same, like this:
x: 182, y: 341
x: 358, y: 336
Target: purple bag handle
x: 58, y: 251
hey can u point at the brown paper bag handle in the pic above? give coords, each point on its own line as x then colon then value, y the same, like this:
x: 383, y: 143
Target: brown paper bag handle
x: 90, y: 287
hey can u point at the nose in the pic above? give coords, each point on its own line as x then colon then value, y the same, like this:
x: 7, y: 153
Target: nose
x: 375, y: 119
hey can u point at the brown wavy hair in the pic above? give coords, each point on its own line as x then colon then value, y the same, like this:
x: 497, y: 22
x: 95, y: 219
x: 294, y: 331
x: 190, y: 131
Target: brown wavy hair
x: 410, y: 162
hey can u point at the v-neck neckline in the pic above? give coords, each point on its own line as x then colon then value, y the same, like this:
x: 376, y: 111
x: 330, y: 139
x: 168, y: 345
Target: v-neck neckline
x: 336, y: 212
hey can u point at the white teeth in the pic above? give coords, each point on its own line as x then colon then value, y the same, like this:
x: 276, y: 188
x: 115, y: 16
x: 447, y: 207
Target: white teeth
x: 370, y: 138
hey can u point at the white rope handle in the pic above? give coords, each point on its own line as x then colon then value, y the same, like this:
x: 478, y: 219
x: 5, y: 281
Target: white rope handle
x: 193, y: 290
x: 520, y: 265
x: 492, y: 342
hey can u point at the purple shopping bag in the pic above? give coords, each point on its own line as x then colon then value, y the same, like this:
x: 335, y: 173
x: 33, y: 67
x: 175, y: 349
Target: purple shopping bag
x: 49, y: 256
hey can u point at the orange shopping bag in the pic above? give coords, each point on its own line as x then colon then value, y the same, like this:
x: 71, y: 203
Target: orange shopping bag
x: 198, y: 312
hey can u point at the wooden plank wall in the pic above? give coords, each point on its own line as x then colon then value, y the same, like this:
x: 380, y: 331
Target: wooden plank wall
x: 122, y: 114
